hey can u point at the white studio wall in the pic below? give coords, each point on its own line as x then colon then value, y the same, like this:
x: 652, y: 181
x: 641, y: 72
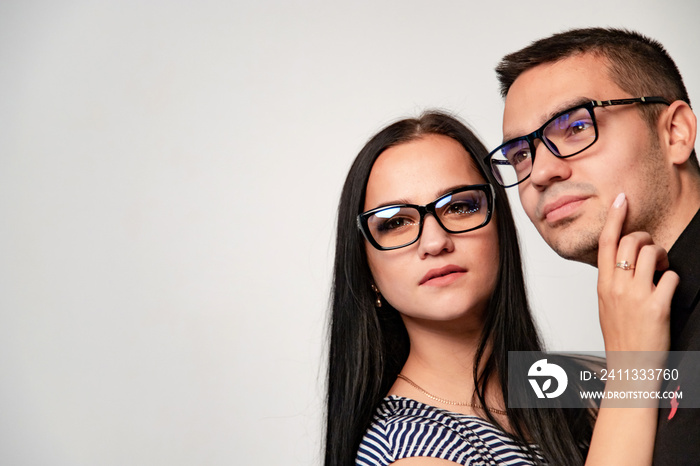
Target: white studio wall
x: 169, y: 174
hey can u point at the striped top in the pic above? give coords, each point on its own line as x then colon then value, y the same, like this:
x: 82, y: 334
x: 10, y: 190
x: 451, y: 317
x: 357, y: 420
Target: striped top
x: 405, y: 428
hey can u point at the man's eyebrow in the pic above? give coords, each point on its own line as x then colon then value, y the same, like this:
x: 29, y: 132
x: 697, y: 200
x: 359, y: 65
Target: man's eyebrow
x: 562, y: 107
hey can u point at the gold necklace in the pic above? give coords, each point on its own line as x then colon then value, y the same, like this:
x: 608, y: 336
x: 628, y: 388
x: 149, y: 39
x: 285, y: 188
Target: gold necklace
x: 448, y: 402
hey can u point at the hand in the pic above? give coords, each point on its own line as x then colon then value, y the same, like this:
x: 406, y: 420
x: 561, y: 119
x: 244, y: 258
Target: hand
x: 634, y: 313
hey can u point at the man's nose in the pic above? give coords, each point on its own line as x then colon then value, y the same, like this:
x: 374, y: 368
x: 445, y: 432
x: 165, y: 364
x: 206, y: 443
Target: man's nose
x: 548, y: 168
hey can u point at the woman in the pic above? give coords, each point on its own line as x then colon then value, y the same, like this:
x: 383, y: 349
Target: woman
x: 427, y: 301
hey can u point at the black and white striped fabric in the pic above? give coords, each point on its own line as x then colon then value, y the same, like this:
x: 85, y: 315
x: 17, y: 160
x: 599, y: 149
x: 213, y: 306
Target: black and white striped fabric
x: 405, y: 428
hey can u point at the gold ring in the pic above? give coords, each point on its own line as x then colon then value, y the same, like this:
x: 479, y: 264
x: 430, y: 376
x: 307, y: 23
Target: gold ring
x: 624, y: 265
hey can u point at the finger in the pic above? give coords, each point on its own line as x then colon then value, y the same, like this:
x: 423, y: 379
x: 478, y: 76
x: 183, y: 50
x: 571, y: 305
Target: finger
x: 629, y: 248
x: 650, y: 259
x: 667, y: 286
x: 610, y: 236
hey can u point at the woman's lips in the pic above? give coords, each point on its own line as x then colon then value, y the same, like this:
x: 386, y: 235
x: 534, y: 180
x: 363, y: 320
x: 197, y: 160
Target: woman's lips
x: 442, y: 276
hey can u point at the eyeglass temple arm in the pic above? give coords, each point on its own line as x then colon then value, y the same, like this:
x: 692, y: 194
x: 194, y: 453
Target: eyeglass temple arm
x: 643, y: 100
x: 500, y: 162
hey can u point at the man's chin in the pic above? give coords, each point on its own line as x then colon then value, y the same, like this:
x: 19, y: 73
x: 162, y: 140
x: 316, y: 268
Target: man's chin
x: 589, y: 257
x: 580, y: 247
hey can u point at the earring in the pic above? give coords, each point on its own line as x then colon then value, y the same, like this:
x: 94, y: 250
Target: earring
x: 378, y: 302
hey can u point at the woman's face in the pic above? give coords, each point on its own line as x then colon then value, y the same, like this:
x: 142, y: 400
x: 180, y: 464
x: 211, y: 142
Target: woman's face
x: 418, y: 172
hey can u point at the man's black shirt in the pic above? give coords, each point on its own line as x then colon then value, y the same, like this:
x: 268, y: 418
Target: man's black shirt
x: 678, y: 438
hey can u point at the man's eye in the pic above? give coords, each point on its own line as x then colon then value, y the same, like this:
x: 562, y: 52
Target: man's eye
x: 580, y: 126
x: 518, y: 157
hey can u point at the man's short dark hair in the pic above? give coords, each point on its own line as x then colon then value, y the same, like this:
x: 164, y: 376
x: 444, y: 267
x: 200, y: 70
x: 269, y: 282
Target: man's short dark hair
x: 638, y: 64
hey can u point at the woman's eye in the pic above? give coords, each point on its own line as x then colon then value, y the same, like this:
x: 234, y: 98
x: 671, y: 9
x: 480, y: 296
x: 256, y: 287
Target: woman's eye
x: 462, y: 208
x: 395, y: 223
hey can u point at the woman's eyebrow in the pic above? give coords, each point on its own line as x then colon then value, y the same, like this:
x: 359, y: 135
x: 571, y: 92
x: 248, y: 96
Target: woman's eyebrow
x: 452, y: 188
x: 391, y: 203
x: 438, y: 195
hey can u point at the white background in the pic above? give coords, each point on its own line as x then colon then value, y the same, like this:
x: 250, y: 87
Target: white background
x: 169, y: 174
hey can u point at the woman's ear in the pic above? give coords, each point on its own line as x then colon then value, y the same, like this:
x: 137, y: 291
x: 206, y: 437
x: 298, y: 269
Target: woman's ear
x: 677, y: 129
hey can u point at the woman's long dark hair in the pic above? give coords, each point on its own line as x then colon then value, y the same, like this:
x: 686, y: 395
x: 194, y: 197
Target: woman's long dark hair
x: 369, y: 346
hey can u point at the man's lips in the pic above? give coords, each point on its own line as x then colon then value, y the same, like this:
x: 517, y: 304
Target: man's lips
x: 562, y: 207
x: 443, y: 275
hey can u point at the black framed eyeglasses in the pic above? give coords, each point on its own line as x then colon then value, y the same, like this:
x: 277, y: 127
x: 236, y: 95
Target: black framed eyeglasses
x: 566, y: 134
x: 458, y: 211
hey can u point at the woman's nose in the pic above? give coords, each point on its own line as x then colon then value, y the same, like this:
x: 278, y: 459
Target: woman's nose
x: 434, y: 239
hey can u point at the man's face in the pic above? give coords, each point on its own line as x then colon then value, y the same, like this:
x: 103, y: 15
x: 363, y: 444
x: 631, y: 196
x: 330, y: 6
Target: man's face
x: 568, y: 199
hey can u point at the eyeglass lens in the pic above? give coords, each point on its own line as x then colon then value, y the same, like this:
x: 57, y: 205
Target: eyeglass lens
x: 400, y: 225
x: 565, y: 135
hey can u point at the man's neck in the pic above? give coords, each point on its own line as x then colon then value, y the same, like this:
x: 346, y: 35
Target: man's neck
x: 685, y: 206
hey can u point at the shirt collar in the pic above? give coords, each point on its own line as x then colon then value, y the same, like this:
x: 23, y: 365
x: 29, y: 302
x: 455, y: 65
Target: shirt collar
x: 684, y: 259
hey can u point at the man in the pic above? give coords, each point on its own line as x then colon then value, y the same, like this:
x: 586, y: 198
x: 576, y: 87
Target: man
x: 590, y: 114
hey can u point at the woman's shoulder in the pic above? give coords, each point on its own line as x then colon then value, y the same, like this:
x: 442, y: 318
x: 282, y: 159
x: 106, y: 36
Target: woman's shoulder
x: 405, y: 428
x: 397, y: 412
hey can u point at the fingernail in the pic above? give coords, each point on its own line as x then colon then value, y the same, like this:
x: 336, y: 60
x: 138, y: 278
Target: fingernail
x: 619, y: 200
